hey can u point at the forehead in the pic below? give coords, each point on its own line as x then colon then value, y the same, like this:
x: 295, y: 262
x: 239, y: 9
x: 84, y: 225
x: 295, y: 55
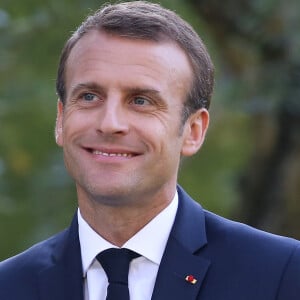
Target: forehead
x: 99, y: 53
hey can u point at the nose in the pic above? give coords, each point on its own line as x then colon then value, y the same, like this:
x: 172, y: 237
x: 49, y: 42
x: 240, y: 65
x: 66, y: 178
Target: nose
x: 112, y: 118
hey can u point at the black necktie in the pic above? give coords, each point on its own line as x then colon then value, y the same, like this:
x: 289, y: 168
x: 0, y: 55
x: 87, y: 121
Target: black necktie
x: 115, y: 263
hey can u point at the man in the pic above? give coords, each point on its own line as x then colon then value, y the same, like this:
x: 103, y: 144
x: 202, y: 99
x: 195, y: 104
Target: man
x: 134, y: 85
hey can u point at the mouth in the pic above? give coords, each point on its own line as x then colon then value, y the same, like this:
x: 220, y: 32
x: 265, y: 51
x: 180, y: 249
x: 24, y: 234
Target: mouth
x: 112, y: 153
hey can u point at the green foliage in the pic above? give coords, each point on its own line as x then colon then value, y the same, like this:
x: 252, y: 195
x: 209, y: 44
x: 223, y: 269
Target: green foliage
x: 37, y: 198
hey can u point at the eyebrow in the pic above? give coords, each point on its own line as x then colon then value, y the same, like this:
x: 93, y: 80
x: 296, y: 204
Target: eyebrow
x: 147, y: 91
x: 139, y: 90
x: 87, y: 86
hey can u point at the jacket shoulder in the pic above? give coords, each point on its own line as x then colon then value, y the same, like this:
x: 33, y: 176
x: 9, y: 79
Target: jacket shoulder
x: 265, y: 261
x: 236, y: 233
x: 25, y: 266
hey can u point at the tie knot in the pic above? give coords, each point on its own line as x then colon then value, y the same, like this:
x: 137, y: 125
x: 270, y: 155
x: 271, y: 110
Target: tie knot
x: 115, y: 263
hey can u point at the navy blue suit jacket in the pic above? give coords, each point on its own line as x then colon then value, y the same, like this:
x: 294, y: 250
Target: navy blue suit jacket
x: 229, y: 260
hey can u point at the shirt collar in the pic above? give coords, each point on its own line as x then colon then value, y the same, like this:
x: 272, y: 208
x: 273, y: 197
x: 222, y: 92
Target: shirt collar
x: 158, y: 230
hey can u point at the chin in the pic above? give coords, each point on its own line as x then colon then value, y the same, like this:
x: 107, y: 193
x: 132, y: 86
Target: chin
x: 113, y: 196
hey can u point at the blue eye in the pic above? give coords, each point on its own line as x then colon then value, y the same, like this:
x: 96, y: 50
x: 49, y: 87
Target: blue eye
x: 140, y: 101
x: 89, y: 97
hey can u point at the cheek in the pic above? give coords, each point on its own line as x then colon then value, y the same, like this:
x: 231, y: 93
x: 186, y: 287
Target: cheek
x: 163, y: 139
x: 74, y: 122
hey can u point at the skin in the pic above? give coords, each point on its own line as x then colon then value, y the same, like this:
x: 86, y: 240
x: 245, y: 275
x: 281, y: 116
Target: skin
x: 121, y: 132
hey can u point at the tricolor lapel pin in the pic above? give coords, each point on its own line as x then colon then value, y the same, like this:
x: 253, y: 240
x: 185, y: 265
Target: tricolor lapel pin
x: 191, y: 279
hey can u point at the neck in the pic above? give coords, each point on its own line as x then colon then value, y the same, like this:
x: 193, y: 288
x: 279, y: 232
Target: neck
x: 117, y: 224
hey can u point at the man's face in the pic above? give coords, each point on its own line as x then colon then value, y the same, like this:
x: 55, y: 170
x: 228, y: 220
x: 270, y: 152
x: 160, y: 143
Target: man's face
x: 120, y: 126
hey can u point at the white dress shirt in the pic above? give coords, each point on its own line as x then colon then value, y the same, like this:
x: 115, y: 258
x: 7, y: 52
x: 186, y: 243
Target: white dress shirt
x: 149, y: 242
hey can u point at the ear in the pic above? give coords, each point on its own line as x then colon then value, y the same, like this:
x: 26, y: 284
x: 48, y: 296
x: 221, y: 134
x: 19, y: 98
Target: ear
x: 58, y: 124
x: 194, y: 132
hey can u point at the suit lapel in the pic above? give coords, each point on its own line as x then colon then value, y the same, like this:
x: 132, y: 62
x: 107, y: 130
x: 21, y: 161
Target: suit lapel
x: 62, y: 278
x: 179, y: 260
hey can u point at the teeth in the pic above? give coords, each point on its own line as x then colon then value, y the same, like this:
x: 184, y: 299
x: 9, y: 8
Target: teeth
x: 97, y: 152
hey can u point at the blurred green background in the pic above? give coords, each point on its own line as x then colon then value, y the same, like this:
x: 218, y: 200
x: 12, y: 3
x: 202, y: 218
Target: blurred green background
x: 249, y: 167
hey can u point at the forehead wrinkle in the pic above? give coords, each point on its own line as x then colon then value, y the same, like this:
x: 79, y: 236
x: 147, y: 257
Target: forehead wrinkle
x: 148, y: 65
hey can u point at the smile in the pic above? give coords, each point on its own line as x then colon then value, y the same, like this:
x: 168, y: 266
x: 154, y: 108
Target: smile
x: 97, y: 152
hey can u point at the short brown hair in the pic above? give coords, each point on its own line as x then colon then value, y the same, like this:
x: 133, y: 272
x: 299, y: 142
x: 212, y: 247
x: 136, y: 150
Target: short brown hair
x: 148, y: 21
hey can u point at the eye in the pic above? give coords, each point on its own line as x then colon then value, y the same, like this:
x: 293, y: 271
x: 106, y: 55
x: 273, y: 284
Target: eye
x: 140, y: 101
x: 88, y: 97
